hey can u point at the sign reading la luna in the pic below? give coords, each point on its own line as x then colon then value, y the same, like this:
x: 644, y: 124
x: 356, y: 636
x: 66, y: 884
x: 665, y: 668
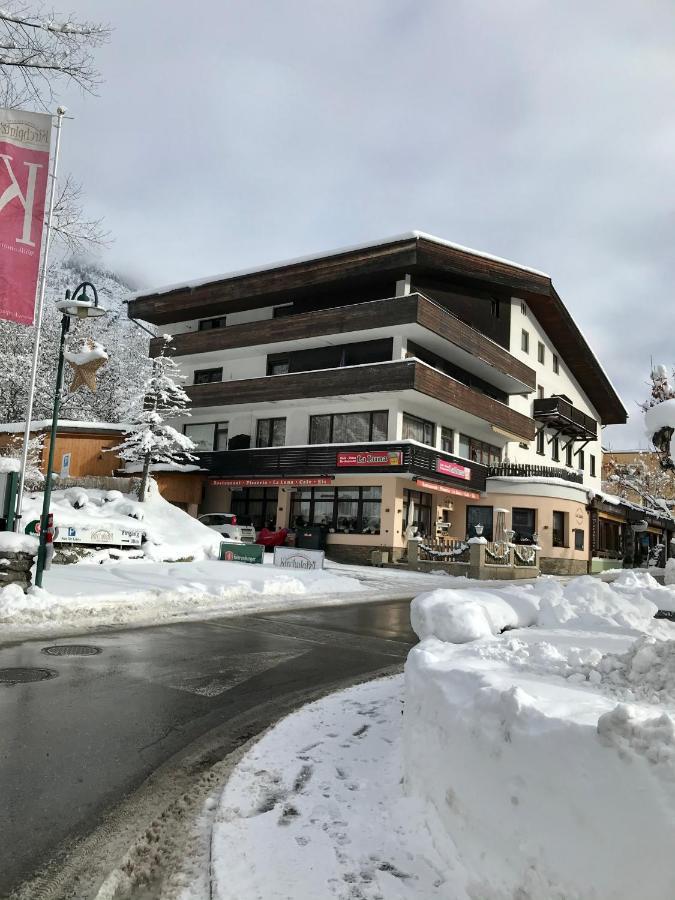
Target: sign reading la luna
x: 347, y: 459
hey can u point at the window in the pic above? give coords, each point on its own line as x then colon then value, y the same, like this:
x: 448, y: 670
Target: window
x: 270, y: 433
x: 256, y: 506
x: 555, y: 449
x: 610, y: 538
x: 556, y: 365
x: 417, y: 511
x: 591, y: 460
x: 278, y: 312
x: 207, y: 435
x: 278, y: 364
x: 580, y: 457
x: 568, y: 455
x: 541, y: 353
x: 578, y: 538
x: 447, y: 439
x: 210, y: 324
x: 479, y: 451
x: 494, y: 308
x: 541, y: 437
x: 222, y: 432
x: 525, y: 341
x: 416, y: 429
x: 479, y: 515
x: 522, y: 522
x: 540, y: 391
x: 523, y: 308
x: 348, y: 428
x: 348, y: 510
x: 559, y: 535
x: 208, y: 376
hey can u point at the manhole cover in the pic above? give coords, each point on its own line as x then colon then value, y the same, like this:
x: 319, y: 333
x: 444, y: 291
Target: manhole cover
x: 25, y: 675
x: 72, y: 650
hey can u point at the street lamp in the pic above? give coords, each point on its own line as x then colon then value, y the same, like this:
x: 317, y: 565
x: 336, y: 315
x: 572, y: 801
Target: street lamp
x: 75, y: 306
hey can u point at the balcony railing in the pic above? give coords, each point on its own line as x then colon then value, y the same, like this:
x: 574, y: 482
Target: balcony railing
x: 560, y: 414
x: 515, y: 470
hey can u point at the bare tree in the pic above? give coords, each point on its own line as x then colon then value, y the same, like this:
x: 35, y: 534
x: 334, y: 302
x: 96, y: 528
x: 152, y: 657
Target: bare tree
x: 643, y: 481
x: 38, y: 53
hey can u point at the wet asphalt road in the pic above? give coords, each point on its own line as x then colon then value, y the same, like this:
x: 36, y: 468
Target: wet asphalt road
x: 75, y: 745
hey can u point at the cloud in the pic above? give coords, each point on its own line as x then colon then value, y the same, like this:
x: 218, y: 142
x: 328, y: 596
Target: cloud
x: 232, y: 134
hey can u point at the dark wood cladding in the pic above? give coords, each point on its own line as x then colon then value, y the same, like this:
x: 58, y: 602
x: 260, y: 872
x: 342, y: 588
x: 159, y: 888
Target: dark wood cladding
x: 234, y: 293
x: 395, y: 376
x: 435, y: 384
x: 345, y: 319
x: 317, y: 461
x: 326, y: 383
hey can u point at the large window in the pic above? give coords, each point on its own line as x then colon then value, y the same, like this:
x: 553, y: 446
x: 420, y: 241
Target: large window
x: 479, y: 515
x: 256, y: 506
x: 559, y: 529
x: 270, y: 433
x: 610, y: 538
x: 207, y: 435
x: 416, y: 429
x: 210, y: 324
x: 278, y: 364
x: 343, y: 510
x: 479, y: 451
x: 523, y: 523
x: 417, y: 511
x: 208, y: 376
x: 348, y: 428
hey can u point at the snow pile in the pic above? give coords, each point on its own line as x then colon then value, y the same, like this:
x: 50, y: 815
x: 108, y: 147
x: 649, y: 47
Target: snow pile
x: 458, y: 616
x: 168, y: 532
x: 9, y: 464
x: 518, y: 744
x: 18, y: 543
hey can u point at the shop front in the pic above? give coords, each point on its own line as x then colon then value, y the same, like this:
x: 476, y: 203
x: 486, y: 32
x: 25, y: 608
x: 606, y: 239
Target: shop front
x: 364, y: 498
x: 624, y: 534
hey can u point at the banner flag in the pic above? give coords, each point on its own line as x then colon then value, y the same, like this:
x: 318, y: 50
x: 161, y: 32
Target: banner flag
x: 25, y: 139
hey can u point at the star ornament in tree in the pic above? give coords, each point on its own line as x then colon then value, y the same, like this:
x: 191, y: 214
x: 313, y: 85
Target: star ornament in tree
x: 85, y: 364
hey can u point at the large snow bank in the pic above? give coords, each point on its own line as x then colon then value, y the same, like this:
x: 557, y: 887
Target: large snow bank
x: 18, y: 543
x: 548, y: 753
x: 169, y: 533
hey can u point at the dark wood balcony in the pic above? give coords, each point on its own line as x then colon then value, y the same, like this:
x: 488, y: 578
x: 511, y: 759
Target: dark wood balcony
x: 518, y: 470
x: 404, y: 375
x: 559, y: 414
x: 322, y: 460
x: 429, y: 323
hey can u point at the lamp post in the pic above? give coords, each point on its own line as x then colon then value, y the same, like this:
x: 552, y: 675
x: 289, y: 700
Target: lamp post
x: 75, y: 306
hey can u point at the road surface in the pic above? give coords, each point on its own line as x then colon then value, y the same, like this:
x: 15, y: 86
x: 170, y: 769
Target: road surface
x: 73, y: 747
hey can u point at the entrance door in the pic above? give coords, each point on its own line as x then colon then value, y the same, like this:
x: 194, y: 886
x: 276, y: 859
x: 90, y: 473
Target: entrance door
x: 479, y: 515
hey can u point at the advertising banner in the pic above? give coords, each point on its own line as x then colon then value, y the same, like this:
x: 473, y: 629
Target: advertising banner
x: 447, y: 467
x: 24, y: 168
x: 269, y: 482
x: 244, y: 553
x: 98, y: 535
x: 446, y: 489
x: 347, y: 459
x: 294, y: 558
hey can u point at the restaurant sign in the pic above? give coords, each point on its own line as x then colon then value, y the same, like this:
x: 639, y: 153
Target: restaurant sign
x: 446, y: 489
x: 347, y: 459
x: 269, y: 482
x: 447, y: 467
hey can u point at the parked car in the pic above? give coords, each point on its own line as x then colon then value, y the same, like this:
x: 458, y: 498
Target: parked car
x: 227, y: 525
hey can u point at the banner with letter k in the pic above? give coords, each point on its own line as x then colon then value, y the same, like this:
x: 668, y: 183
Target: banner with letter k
x: 25, y: 139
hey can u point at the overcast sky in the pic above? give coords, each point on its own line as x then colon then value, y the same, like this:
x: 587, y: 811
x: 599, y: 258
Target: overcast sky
x: 229, y: 134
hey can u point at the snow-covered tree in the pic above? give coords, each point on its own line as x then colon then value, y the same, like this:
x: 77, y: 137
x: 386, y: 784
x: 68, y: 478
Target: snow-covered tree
x: 659, y: 411
x: 38, y: 53
x: 643, y: 481
x: 13, y: 450
x: 149, y: 440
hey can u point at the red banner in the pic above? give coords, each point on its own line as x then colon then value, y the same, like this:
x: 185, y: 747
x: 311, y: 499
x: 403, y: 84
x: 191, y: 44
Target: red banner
x: 369, y: 458
x: 446, y: 467
x: 445, y: 489
x: 24, y: 168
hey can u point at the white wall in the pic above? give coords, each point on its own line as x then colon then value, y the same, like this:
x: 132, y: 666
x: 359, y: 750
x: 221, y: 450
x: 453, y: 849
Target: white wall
x: 562, y: 383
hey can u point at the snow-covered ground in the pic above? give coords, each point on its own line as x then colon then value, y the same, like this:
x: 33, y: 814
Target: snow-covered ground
x: 536, y: 764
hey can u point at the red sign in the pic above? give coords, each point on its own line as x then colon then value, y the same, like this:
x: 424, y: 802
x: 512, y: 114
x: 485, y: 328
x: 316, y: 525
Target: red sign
x: 25, y: 140
x: 446, y: 467
x: 445, y: 489
x: 270, y: 482
x: 348, y: 459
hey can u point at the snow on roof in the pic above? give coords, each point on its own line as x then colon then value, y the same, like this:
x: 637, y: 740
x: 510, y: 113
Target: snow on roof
x: 70, y: 424
x: 406, y: 236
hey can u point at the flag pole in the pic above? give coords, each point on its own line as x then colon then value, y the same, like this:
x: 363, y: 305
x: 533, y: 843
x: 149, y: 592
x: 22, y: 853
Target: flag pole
x: 60, y: 113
